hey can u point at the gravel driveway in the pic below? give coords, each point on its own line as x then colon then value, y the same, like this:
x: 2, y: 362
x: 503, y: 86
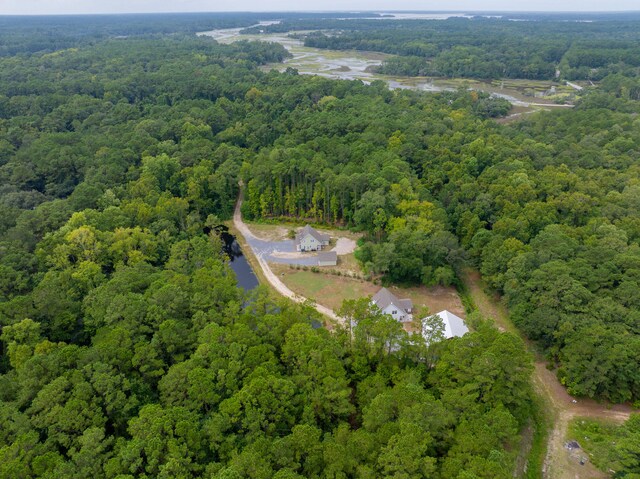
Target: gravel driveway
x: 265, y: 249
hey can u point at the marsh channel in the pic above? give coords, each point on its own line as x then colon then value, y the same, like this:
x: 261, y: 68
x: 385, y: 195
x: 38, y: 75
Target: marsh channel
x: 356, y: 65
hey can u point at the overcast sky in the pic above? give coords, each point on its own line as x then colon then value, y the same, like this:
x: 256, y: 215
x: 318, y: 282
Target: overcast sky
x: 134, y: 6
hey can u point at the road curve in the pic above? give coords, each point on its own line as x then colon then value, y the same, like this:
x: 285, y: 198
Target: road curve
x: 556, y: 463
x: 562, y: 407
x: 271, y: 277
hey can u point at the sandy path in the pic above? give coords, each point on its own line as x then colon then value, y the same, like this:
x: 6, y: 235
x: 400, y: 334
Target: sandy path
x: 271, y: 277
x: 558, y: 463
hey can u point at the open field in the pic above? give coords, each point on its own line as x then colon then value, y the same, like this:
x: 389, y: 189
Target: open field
x: 280, y: 231
x: 331, y: 290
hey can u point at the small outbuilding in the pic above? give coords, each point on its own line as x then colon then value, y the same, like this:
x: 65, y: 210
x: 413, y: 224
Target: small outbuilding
x: 308, y: 239
x: 328, y: 258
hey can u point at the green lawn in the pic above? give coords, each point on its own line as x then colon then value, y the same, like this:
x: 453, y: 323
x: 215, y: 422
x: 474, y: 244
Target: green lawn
x: 597, y: 438
x: 331, y: 290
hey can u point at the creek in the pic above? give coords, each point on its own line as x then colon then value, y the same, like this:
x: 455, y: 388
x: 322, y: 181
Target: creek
x: 247, y: 278
x: 357, y: 65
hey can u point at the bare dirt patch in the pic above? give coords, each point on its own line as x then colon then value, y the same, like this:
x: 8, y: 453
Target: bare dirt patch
x: 290, y: 254
x: 431, y: 300
x: 559, y: 463
x: 344, y: 246
x: 269, y: 232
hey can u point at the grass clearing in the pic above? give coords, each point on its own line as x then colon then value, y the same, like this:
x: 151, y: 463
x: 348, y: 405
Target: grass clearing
x: 326, y: 289
x: 278, y: 231
x: 331, y: 290
x: 489, y: 307
x: 597, y: 439
x: 347, y: 263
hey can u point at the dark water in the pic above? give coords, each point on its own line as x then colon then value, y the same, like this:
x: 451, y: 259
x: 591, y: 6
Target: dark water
x: 247, y: 279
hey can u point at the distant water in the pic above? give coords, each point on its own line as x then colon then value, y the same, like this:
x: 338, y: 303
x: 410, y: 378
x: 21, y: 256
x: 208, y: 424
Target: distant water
x: 421, y: 16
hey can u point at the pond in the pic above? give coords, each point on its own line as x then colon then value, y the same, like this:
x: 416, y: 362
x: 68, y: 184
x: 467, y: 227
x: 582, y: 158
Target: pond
x: 247, y: 279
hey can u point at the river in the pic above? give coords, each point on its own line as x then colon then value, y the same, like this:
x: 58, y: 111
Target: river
x: 355, y: 65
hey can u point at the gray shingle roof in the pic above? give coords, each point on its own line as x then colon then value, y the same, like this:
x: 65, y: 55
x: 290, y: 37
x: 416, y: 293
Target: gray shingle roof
x: 308, y: 230
x: 328, y: 256
x: 406, y: 304
x: 384, y: 298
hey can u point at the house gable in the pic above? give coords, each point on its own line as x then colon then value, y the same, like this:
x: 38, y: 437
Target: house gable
x: 399, y: 309
x: 310, y: 240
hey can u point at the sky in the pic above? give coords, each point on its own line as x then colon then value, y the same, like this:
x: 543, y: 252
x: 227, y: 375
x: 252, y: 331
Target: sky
x: 21, y: 7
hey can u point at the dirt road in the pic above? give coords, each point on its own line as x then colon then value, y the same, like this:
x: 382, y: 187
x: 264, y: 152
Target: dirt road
x: 558, y: 462
x: 279, y: 286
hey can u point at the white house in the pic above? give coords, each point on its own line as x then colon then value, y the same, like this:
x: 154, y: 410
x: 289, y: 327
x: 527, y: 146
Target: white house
x: 399, y: 309
x: 453, y: 325
x: 308, y: 239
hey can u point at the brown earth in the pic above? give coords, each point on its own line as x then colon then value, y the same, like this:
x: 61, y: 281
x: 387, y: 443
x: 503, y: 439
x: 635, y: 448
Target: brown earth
x: 562, y: 407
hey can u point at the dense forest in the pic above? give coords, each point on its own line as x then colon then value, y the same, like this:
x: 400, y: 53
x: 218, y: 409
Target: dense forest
x: 127, y: 348
x: 38, y: 34
x: 486, y: 48
x: 547, y: 209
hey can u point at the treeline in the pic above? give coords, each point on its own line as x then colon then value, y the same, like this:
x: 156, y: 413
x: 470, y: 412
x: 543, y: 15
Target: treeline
x: 552, y: 222
x: 545, y: 208
x: 29, y: 34
x: 486, y: 48
x: 356, y: 162
x: 20, y: 35
x: 127, y: 349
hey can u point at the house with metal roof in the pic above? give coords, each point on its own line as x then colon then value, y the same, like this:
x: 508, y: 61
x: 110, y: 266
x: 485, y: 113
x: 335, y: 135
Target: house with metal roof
x: 454, y: 326
x: 308, y: 239
x: 388, y: 303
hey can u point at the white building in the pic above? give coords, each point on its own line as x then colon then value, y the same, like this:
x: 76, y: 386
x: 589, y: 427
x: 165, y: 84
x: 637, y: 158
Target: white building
x: 453, y: 325
x: 308, y: 239
x: 400, y: 309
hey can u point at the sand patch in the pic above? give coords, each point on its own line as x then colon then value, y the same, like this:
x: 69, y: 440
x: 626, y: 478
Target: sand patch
x: 344, y: 246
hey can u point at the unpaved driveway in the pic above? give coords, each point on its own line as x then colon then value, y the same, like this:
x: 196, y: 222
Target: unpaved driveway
x: 557, y: 464
x: 271, y: 277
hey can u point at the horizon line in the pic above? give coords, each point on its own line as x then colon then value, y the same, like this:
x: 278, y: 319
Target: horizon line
x: 171, y: 12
